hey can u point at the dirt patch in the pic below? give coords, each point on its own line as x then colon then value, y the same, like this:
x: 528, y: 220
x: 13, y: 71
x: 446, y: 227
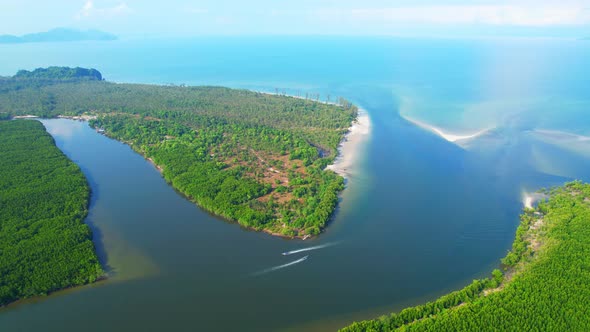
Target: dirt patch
x: 267, y: 168
x: 508, y: 275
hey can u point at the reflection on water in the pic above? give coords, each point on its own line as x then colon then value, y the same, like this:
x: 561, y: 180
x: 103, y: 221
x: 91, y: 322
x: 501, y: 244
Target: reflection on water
x: 64, y: 130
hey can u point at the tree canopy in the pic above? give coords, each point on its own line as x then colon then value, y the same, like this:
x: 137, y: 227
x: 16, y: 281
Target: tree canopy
x: 44, y: 243
x: 59, y: 73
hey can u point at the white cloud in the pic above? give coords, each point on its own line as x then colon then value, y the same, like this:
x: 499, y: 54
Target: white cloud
x: 90, y: 10
x: 532, y: 15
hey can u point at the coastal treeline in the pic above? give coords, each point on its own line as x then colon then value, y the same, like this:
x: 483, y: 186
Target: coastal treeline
x: 44, y: 243
x: 544, y: 287
x: 255, y: 158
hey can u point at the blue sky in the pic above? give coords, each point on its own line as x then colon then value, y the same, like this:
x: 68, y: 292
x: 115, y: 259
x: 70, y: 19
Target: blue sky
x: 444, y: 18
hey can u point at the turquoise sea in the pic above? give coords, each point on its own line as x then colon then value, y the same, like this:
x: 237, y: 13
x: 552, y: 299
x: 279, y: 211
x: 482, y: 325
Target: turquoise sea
x: 422, y: 215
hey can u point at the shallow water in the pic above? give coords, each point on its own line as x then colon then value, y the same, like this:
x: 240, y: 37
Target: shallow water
x: 420, y: 216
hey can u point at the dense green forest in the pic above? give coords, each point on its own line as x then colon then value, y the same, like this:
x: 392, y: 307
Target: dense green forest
x: 255, y: 158
x: 59, y: 73
x: 544, y: 287
x: 44, y: 243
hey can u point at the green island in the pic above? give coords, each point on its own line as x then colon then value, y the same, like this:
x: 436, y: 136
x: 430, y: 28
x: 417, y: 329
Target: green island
x: 44, y: 243
x: 543, y: 286
x: 255, y: 158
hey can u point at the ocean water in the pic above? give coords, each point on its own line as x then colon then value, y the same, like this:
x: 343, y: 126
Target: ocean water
x: 421, y: 215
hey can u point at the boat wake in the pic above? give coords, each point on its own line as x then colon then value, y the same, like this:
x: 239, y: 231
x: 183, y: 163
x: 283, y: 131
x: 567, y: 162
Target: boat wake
x: 275, y: 268
x: 287, y: 253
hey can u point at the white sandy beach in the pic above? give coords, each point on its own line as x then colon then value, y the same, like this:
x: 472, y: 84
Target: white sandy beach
x: 357, y: 135
x: 353, y: 141
x: 451, y: 137
x: 528, y: 202
x: 529, y: 199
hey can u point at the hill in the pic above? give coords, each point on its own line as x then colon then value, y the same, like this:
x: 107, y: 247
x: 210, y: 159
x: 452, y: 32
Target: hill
x: 57, y: 35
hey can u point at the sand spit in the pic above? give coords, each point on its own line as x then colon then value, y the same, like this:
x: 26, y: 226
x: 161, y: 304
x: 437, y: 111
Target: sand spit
x: 578, y: 144
x: 451, y: 137
x: 561, y: 135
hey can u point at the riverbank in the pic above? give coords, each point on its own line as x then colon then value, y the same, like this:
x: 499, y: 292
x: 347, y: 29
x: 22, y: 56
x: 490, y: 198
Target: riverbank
x: 83, y: 117
x: 350, y: 145
x: 151, y: 161
x: 541, y: 278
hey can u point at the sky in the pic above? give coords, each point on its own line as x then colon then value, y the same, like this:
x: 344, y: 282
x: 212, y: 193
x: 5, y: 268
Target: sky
x: 184, y: 18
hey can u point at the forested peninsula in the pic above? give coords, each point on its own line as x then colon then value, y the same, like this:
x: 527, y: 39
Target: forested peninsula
x: 44, y: 243
x: 254, y: 158
x: 543, y: 286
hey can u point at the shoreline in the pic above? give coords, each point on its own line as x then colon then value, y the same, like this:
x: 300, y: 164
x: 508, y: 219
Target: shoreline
x: 348, y: 148
x: 37, y: 298
x: 531, y: 220
x: 151, y: 161
x: 548, y: 242
x: 83, y: 117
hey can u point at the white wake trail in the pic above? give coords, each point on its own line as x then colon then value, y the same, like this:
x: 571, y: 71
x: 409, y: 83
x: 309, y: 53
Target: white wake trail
x: 287, y: 253
x: 274, y: 268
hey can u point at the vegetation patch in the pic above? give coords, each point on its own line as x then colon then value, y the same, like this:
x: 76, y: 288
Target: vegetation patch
x: 255, y: 158
x: 44, y: 243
